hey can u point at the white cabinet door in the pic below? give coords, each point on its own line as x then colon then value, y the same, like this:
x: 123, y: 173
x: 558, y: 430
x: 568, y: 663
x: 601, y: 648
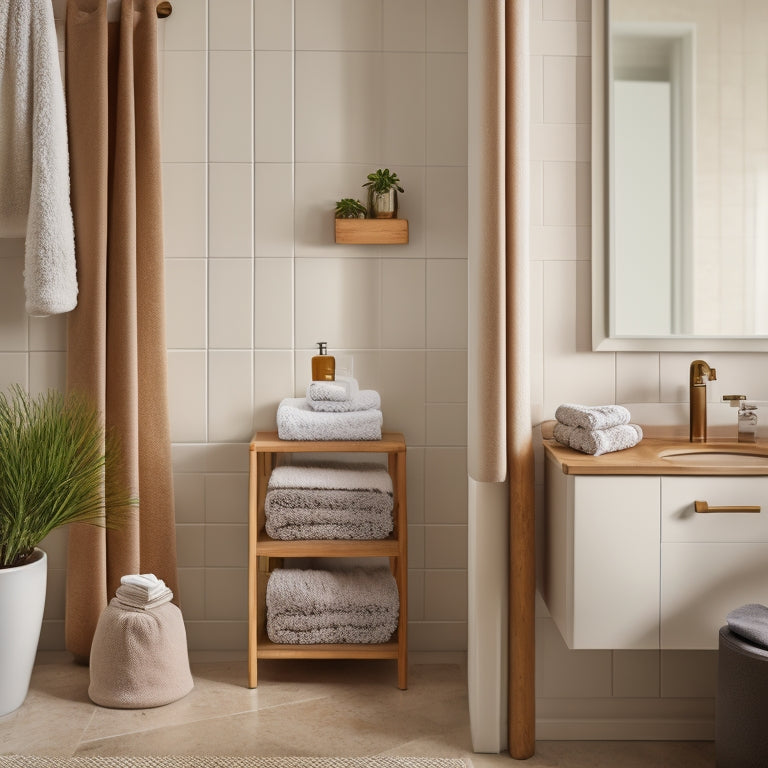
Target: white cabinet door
x: 701, y: 583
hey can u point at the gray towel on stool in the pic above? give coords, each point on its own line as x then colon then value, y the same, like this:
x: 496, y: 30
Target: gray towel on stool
x: 750, y: 622
x: 355, y: 605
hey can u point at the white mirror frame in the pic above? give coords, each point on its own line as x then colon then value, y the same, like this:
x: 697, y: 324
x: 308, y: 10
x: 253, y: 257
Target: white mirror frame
x: 601, y: 339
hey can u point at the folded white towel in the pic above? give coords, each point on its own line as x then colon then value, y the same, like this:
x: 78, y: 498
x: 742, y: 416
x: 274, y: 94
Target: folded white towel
x: 592, y: 416
x: 34, y: 156
x: 142, y: 590
x: 365, y: 400
x: 599, y: 441
x: 297, y: 421
x: 363, y: 476
x: 342, y: 388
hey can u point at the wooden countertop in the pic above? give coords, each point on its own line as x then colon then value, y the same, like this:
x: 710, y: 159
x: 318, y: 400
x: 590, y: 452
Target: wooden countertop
x: 647, y: 458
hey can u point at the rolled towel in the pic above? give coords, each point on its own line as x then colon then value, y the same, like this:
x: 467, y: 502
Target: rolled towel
x: 297, y: 421
x: 599, y: 441
x: 342, y: 388
x: 592, y: 416
x: 750, y: 622
x: 365, y: 400
x: 349, y: 476
x: 355, y: 605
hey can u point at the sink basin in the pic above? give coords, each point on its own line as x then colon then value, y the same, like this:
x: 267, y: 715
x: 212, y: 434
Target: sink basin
x: 716, y: 459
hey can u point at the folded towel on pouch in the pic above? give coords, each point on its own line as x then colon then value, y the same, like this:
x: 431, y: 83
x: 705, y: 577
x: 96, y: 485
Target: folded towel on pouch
x: 342, y: 388
x: 297, y: 421
x: 355, y: 605
x: 750, y: 622
x: 598, y: 441
x: 143, y: 590
x: 592, y: 416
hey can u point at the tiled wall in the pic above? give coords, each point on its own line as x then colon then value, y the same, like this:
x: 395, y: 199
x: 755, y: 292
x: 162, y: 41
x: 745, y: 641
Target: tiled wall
x: 272, y: 111
x: 596, y: 687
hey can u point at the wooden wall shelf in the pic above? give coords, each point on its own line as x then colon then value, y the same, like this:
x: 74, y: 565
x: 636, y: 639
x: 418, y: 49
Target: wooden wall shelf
x: 372, y: 231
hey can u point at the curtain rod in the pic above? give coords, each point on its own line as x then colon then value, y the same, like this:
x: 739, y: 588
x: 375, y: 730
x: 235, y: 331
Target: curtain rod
x: 164, y: 10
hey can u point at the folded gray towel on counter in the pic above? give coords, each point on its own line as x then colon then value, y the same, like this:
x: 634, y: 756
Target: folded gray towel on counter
x: 341, y: 388
x: 364, y: 400
x: 598, y: 441
x: 350, y: 476
x: 355, y: 605
x: 297, y: 421
x: 293, y: 513
x: 750, y: 622
x: 592, y: 416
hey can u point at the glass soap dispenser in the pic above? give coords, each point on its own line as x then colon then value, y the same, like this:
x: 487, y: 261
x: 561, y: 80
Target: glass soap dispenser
x: 323, y: 364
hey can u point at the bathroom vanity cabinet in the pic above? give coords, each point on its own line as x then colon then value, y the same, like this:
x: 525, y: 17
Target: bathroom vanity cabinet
x: 630, y: 564
x: 266, y: 452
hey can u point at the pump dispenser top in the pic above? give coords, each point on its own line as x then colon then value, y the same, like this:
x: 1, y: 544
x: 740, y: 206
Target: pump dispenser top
x: 323, y: 364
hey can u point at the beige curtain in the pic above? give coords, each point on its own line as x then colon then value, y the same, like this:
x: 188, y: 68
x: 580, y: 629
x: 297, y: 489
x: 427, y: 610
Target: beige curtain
x: 116, y: 336
x: 500, y: 447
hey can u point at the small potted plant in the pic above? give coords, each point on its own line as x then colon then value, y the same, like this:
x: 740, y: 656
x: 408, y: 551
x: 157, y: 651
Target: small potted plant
x: 347, y: 208
x: 56, y: 467
x: 383, y: 187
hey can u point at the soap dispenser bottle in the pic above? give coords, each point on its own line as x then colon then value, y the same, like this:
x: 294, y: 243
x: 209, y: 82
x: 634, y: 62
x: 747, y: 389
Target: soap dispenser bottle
x: 323, y: 364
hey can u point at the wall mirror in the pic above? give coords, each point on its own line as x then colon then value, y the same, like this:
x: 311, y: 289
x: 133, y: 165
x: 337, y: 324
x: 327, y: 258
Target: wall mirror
x: 679, y: 175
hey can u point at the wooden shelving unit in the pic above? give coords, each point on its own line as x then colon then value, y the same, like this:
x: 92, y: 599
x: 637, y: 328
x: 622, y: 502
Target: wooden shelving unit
x: 266, y: 452
x: 372, y: 231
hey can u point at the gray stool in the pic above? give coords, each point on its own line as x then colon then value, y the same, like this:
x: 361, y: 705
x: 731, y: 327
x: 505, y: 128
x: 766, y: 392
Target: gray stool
x: 741, y: 714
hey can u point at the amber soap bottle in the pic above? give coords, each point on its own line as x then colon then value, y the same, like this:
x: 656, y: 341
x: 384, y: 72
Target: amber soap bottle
x: 323, y: 364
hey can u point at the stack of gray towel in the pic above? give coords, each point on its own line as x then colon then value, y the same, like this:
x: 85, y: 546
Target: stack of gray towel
x: 596, y: 429
x: 331, y: 410
x: 329, y: 501
x: 355, y: 605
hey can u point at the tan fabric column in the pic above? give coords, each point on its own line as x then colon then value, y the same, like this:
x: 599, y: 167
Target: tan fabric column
x: 116, y: 346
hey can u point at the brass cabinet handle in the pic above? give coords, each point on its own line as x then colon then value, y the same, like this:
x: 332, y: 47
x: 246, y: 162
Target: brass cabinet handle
x: 703, y: 506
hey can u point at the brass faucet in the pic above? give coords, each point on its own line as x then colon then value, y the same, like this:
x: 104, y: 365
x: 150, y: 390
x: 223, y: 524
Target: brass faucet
x: 700, y: 374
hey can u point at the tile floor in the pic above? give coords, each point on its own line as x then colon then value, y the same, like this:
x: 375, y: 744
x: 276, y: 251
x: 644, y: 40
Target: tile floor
x: 301, y: 707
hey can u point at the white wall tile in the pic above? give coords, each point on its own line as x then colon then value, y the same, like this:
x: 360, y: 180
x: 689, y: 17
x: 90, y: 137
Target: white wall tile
x: 338, y: 108
x: 230, y: 293
x: 226, y: 593
x: 273, y: 210
x: 47, y: 370
x: 184, y: 118
x: 185, y: 303
x: 48, y: 334
x: 687, y: 674
x: 401, y: 383
x: 230, y: 25
x: 273, y: 304
x: 230, y: 400
x: 561, y: 38
x: 637, y: 377
x: 13, y: 369
x: 338, y: 300
x: 567, y: 10
x: 446, y: 303
x: 187, y: 395
x: 226, y: 498
x: 226, y: 546
x: 273, y: 95
x: 189, y: 490
x: 561, y: 243
x: 185, y: 210
x: 273, y: 381
x: 446, y: 376
x: 566, y: 188
x: 13, y: 318
x: 186, y: 28
x: 404, y: 25
x: 273, y: 25
x: 403, y: 303
x: 192, y: 593
x: 445, y: 485
x: 445, y: 595
x: 401, y: 112
x: 561, y: 141
x: 55, y: 546
x: 415, y: 594
x: 445, y: 546
x: 230, y: 119
x: 415, y: 460
x: 446, y: 109
x: 415, y: 549
x: 447, y: 25
x: 230, y: 210
x: 318, y: 25
x: 190, y: 546
x: 446, y: 212
x: 447, y: 424
x: 437, y: 636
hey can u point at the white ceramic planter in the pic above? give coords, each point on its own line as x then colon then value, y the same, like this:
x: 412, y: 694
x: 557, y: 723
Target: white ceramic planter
x: 22, y: 599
